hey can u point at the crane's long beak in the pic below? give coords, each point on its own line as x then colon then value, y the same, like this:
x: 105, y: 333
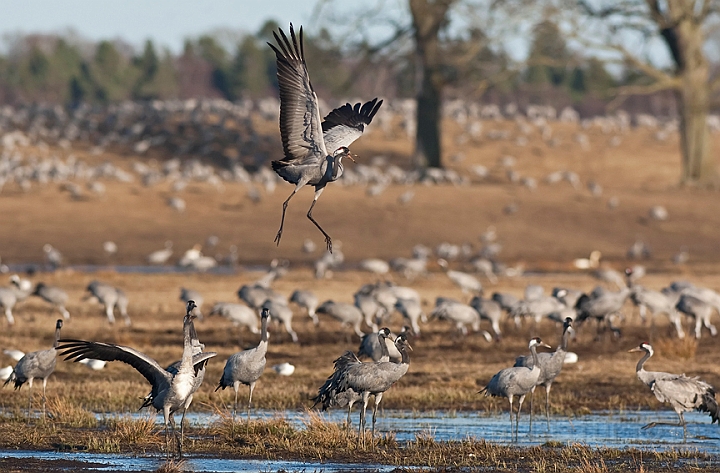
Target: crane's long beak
x: 635, y: 349
x: 543, y: 344
x: 349, y: 155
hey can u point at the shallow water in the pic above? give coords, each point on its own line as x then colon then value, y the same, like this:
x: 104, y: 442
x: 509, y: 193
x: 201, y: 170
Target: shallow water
x: 616, y: 430
x: 612, y: 429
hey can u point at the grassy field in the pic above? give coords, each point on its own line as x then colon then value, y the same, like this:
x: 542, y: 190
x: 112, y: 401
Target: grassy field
x: 553, y: 225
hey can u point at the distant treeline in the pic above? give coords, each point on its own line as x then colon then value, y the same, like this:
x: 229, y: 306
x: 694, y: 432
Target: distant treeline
x: 68, y: 71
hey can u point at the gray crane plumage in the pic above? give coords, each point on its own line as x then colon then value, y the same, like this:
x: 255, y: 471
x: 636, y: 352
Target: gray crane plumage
x: 347, y: 314
x: 238, y: 314
x: 54, y: 295
x: 281, y: 312
x: 550, y: 367
x: 329, y: 394
x: 370, y: 347
x: 38, y: 364
x: 110, y: 297
x: 366, y: 379
x: 308, y: 300
x: 170, y: 391
x: 313, y: 149
x: 11, y: 295
x: 247, y: 366
x: 681, y: 392
x: 490, y: 311
x: 516, y: 381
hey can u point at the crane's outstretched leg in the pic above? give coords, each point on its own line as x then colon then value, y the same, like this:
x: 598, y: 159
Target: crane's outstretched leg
x: 328, y: 240
x: 166, y: 416
x: 285, y: 204
x: 681, y: 423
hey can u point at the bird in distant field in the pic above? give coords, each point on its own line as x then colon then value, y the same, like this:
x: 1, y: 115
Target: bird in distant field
x: 313, y: 149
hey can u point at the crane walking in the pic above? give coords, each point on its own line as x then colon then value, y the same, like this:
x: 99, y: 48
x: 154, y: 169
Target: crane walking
x: 681, y: 392
x: 247, y: 366
x: 38, y: 364
x: 313, y: 149
x: 516, y: 381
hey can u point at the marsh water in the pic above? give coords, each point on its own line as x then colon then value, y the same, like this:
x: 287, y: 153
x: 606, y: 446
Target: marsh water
x: 615, y: 430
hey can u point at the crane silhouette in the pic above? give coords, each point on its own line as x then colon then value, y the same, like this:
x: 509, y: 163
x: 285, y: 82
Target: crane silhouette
x: 313, y: 149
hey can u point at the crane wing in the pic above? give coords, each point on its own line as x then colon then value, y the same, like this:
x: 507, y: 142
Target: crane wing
x: 680, y: 389
x: 300, y: 125
x: 346, y: 124
x: 77, y: 350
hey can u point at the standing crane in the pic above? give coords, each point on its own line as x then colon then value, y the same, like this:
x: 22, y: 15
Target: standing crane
x: 313, y: 149
x: 550, y: 366
x: 682, y: 393
x: 247, y: 366
x: 516, y: 381
x: 38, y: 364
x: 170, y: 391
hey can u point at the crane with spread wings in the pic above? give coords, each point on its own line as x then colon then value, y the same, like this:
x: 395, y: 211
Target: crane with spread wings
x: 313, y: 149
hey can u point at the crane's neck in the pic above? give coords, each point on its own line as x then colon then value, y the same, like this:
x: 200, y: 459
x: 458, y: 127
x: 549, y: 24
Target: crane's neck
x: 533, y: 353
x: 264, y: 333
x: 337, y: 168
x: 57, y: 337
x: 565, y: 340
x: 405, y: 355
x: 186, y: 361
x: 642, y: 361
x: 385, y: 354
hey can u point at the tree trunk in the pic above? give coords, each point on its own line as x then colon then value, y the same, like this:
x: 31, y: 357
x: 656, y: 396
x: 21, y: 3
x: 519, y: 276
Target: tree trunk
x: 684, y: 37
x: 428, y: 17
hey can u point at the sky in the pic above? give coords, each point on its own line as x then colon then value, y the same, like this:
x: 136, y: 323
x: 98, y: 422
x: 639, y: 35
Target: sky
x: 166, y: 22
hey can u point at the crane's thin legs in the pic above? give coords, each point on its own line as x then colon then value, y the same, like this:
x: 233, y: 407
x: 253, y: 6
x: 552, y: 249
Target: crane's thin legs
x: 547, y: 406
x: 252, y: 388
x: 517, y: 417
x: 30, y: 383
x: 285, y: 204
x: 512, y: 430
x: 378, y: 398
x: 532, y: 396
x: 681, y: 423
x: 363, y: 410
x: 43, y: 398
x: 236, y: 386
x: 328, y: 240
x: 166, y: 415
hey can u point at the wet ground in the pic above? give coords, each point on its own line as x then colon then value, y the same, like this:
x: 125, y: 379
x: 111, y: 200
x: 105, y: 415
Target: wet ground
x: 621, y: 430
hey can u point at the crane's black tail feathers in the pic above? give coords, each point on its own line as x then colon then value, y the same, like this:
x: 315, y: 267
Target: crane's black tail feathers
x: 709, y: 404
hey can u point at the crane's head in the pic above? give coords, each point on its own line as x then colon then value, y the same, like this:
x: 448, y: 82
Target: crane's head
x: 265, y: 312
x: 536, y: 342
x: 401, y: 342
x: 384, y: 332
x: 343, y: 152
x: 58, y: 324
x: 190, y: 306
x: 646, y: 347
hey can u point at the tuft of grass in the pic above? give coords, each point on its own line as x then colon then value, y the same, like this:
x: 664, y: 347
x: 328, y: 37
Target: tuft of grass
x: 133, y: 431
x: 101, y: 444
x: 676, y: 348
x: 61, y: 411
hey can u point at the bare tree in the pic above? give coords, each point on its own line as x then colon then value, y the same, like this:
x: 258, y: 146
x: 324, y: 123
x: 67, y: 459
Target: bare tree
x: 682, y: 26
